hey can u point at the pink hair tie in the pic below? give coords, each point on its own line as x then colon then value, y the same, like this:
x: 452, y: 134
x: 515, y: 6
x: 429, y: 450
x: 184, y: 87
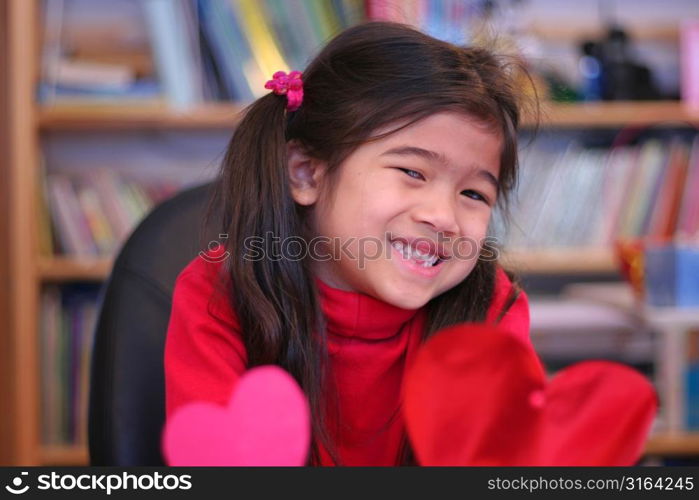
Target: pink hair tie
x: 291, y: 85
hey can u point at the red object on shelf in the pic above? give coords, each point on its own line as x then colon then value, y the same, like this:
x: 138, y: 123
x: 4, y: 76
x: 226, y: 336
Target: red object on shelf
x: 630, y: 256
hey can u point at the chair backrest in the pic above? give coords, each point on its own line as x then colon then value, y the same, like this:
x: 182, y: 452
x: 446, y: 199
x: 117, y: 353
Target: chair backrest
x: 127, y: 383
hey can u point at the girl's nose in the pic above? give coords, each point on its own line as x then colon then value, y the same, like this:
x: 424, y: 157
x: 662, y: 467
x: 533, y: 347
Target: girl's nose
x: 438, y: 210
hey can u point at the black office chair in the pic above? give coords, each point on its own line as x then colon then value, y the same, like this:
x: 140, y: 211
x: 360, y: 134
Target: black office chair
x: 127, y: 384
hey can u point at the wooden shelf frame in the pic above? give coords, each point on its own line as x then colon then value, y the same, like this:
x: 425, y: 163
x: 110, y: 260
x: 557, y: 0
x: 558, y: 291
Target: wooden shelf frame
x: 25, y: 120
x: 115, y: 117
x: 227, y: 115
x: 565, y: 261
x: 60, y: 269
x: 661, y: 444
x: 680, y: 444
x: 20, y: 419
x: 75, y: 455
x: 619, y: 114
x: 65, y: 269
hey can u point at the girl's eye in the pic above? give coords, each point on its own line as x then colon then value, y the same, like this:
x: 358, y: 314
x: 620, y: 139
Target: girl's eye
x: 474, y: 195
x: 412, y: 173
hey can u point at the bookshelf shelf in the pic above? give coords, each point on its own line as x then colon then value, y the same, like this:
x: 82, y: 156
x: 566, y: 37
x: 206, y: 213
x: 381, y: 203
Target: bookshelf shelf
x: 64, y: 455
x: 572, y: 261
x: 116, y: 117
x: 63, y: 269
x: 659, y: 444
x: 225, y: 115
x: 618, y: 114
x: 673, y: 444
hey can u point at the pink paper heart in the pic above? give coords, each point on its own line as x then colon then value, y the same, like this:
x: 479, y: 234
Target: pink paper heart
x: 266, y: 423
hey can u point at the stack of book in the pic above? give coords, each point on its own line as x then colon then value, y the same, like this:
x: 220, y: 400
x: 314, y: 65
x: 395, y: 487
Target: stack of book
x: 91, y: 214
x: 590, y: 198
x: 182, y: 52
x: 96, y: 51
x: 68, y: 316
x: 450, y: 20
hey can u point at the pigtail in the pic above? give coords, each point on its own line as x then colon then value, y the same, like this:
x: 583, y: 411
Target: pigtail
x: 274, y: 297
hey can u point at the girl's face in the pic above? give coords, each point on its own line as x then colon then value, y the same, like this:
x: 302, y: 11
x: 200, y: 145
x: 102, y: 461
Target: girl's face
x: 429, y: 187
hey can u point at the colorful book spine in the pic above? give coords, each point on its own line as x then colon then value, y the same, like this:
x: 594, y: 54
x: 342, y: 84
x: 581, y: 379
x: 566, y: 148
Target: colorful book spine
x: 581, y: 198
x: 68, y: 218
x: 69, y: 316
x: 689, y: 55
x: 94, y: 212
x: 173, y: 56
x: 263, y: 44
x: 229, y: 47
x: 688, y: 218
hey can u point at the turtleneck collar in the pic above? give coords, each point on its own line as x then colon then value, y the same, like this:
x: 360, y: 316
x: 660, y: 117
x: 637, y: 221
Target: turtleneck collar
x: 354, y: 314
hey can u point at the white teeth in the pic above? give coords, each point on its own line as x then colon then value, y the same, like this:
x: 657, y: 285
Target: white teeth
x: 430, y: 262
x: 413, y: 253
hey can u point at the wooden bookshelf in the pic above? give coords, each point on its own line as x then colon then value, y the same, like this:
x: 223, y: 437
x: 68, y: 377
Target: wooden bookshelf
x: 62, y: 269
x: 6, y: 368
x: 657, y: 445
x: 568, y: 261
x: 619, y: 114
x: 20, y: 415
x: 134, y: 116
x: 24, y: 271
x: 226, y: 115
x: 673, y: 444
x: 64, y: 455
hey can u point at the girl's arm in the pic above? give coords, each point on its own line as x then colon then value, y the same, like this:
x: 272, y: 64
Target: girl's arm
x: 204, y: 352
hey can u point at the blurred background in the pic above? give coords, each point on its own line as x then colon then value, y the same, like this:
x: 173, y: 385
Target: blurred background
x: 108, y: 107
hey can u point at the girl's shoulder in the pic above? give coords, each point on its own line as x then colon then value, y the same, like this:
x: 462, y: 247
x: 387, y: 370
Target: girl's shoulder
x: 206, y: 264
x: 203, y: 281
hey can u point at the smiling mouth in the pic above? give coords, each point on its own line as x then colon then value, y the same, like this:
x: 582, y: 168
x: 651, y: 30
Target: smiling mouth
x: 410, y: 253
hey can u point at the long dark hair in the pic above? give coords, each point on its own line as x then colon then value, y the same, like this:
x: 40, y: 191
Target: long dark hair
x: 369, y: 76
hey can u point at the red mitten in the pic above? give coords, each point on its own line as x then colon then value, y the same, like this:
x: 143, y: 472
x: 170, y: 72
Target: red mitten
x: 266, y: 423
x: 476, y: 395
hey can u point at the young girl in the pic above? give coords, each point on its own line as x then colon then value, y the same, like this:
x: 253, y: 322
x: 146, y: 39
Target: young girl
x: 356, y: 200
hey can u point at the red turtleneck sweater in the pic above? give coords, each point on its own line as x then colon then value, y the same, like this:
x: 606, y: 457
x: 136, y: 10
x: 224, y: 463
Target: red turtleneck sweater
x: 369, y: 342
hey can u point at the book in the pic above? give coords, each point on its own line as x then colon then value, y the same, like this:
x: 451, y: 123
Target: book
x: 689, y: 62
x: 688, y: 216
x: 639, y: 197
x: 263, y: 44
x: 95, y: 211
x: 619, y: 168
x: 95, y: 50
x: 69, y: 221
x: 68, y: 320
x: 230, y: 50
x: 663, y: 217
x: 171, y: 42
x: 569, y: 196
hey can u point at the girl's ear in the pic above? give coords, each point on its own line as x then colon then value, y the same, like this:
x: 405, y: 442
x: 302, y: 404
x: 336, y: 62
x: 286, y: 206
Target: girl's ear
x: 305, y: 174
